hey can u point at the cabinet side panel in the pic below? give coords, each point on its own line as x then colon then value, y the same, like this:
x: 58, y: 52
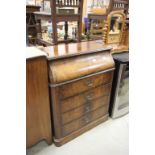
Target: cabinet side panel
x: 38, y: 118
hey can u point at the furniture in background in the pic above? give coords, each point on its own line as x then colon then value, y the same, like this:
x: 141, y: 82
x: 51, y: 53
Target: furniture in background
x: 62, y: 11
x: 38, y: 117
x: 96, y: 22
x: 125, y: 40
x: 119, y: 104
x: 118, y: 5
x: 97, y: 27
x: 116, y: 31
x: 98, y: 17
x: 80, y: 76
x: 31, y: 27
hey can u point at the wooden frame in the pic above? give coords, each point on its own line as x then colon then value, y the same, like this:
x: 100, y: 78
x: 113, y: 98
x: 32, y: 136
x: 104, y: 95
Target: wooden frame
x: 31, y: 27
x: 100, y: 17
x: 109, y: 23
x: 63, y: 18
x: 123, y: 44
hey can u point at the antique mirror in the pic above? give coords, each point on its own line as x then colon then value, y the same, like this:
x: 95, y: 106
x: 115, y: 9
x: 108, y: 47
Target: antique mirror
x: 116, y: 23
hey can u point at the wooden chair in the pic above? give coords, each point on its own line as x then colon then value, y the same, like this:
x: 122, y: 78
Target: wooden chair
x: 31, y: 29
x: 55, y: 16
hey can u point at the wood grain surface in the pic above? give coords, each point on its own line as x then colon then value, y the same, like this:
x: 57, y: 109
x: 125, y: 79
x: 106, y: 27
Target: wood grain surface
x: 38, y: 117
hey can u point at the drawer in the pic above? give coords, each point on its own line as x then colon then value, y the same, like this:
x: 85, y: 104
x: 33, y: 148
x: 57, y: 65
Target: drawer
x: 78, y: 100
x: 82, y: 110
x: 80, y: 86
x: 79, y: 123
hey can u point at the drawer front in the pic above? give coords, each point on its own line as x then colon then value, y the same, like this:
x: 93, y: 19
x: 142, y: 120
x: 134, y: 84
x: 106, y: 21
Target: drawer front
x: 82, y: 110
x: 79, y: 123
x: 76, y: 101
x: 80, y: 86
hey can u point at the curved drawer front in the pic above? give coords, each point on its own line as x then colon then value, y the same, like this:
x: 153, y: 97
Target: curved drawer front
x: 79, y: 123
x: 63, y: 70
x: 80, y: 86
x: 78, y: 100
x: 80, y: 111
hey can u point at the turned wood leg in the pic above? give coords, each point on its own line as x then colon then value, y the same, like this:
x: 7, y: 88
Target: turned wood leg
x: 38, y: 28
x: 66, y: 30
x: 89, y: 25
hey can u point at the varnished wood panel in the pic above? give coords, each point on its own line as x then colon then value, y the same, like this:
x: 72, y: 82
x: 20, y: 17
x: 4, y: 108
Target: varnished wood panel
x: 85, y: 84
x: 56, y: 111
x: 76, y: 133
x: 75, y: 49
x: 38, y: 118
x: 75, y: 125
x: 78, y: 100
x: 71, y: 68
x: 82, y: 110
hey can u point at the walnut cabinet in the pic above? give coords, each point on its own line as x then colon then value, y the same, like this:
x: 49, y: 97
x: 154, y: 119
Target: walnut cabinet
x: 80, y: 81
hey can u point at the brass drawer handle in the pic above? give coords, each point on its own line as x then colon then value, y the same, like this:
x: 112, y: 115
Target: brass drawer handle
x: 89, y: 97
x: 86, y: 120
x: 87, y: 108
x: 89, y: 83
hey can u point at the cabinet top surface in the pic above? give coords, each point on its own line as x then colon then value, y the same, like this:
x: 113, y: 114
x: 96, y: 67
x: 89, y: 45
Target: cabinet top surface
x: 33, y: 52
x: 74, y: 49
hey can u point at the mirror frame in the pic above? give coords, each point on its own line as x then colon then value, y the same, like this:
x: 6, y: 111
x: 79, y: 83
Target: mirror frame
x: 109, y: 23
